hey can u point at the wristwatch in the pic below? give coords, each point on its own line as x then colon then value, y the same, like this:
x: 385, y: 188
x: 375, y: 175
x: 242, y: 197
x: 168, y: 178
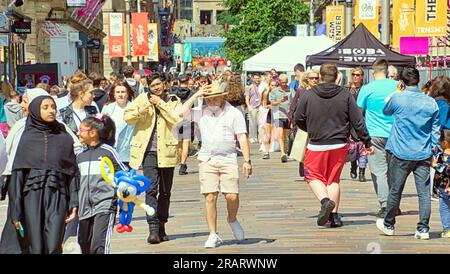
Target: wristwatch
x: 248, y: 162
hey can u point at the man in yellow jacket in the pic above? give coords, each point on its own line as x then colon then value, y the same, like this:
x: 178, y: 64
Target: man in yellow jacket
x: 154, y: 147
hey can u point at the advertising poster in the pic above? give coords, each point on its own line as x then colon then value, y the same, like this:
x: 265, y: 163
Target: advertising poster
x: 335, y: 22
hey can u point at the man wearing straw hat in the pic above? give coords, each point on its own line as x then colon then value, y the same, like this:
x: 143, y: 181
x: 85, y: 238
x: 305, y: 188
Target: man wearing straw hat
x: 219, y: 124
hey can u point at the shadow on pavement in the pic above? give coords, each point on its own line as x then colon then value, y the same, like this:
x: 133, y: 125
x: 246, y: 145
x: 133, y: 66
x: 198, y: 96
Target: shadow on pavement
x: 433, y: 236
x: 249, y: 241
x: 188, y: 235
x: 362, y: 222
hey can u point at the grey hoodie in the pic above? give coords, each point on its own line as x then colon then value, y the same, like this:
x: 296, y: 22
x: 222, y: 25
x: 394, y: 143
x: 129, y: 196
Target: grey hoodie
x: 13, y: 113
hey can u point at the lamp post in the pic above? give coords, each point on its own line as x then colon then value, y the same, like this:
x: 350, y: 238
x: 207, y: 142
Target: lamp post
x: 348, y: 16
x: 127, y: 7
x: 385, y: 19
x: 311, y: 18
x: 140, y: 58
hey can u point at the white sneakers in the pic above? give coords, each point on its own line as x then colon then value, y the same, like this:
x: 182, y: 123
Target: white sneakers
x: 422, y: 235
x: 214, y: 239
x: 238, y: 232
x: 386, y: 230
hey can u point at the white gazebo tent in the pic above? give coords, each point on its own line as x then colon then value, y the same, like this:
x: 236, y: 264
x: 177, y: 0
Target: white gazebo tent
x: 286, y: 53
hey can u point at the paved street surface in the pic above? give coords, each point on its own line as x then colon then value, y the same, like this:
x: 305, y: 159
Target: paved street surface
x: 278, y: 214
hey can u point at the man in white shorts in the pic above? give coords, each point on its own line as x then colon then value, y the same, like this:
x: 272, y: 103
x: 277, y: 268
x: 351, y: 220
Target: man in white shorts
x: 220, y: 123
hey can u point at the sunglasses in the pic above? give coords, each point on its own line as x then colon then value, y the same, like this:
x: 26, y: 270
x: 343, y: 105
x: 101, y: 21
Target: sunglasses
x: 313, y: 78
x: 356, y: 74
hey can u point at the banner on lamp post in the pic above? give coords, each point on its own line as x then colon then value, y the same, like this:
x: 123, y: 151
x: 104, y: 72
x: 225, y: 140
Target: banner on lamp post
x: 140, y: 34
x: 431, y: 18
x: 335, y: 22
x: 403, y: 21
x: 116, y: 37
x: 153, y: 42
x: 366, y: 12
x: 301, y: 30
x: 187, y: 53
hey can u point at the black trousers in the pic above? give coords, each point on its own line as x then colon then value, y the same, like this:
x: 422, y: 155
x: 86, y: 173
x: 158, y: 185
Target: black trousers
x: 161, y: 183
x: 94, y: 234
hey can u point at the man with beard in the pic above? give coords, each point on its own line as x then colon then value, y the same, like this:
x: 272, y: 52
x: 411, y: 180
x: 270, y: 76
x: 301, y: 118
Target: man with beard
x: 220, y: 123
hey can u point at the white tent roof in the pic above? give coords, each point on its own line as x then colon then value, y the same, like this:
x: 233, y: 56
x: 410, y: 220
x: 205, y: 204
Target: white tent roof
x: 286, y: 53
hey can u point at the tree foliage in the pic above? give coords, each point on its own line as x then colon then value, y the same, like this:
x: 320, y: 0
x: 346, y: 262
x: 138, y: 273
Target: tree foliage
x: 262, y: 23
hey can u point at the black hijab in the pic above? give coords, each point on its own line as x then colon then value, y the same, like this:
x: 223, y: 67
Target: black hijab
x: 44, y: 145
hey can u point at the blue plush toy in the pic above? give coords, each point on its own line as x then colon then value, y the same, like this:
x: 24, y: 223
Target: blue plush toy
x: 128, y: 186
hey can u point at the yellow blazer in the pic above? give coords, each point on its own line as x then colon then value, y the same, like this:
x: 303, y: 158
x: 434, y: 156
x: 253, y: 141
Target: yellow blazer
x: 166, y: 139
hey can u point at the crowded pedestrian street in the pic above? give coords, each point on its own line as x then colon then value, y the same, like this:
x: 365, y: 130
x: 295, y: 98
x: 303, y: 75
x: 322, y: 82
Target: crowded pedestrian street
x: 279, y: 215
x: 218, y: 127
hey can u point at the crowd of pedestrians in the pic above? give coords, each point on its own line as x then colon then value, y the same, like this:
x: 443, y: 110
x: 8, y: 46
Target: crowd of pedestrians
x: 56, y: 136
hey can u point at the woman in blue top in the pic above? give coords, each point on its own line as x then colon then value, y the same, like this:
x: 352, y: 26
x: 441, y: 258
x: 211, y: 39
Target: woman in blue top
x: 440, y: 91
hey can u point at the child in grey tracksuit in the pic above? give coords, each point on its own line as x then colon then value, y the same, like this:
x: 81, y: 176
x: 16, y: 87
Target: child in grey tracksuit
x: 97, y: 198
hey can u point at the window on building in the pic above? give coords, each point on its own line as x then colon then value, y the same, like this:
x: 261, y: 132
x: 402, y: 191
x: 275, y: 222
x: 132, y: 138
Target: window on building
x: 186, y: 9
x: 205, y: 17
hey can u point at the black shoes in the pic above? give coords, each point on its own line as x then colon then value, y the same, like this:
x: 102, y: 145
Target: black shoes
x: 362, y: 176
x: 301, y: 169
x: 183, y: 169
x: 153, y: 238
x: 284, y: 158
x: 325, y: 211
x: 335, y: 220
x: 381, y: 213
x: 353, y: 169
x: 162, y: 233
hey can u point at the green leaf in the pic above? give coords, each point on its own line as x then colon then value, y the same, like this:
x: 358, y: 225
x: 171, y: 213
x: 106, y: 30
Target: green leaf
x: 258, y: 25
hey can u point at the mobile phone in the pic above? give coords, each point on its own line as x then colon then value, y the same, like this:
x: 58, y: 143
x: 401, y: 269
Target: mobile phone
x: 21, y: 230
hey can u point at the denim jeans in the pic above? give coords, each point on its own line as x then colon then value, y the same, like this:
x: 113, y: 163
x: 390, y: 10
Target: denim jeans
x: 378, y: 163
x: 444, y: 209
x: 399, y: 170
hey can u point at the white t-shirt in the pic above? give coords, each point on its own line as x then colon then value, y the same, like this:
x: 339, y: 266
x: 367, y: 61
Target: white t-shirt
x: 219, y: 130
x: 116, y: 113
x: 325, y: 147
x: 3, y: 155
x: 78, y: 116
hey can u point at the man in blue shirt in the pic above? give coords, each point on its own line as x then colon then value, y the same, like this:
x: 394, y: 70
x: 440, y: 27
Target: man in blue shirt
x: 414, y: 136
x: 299, y: 69
x: 371, y: 98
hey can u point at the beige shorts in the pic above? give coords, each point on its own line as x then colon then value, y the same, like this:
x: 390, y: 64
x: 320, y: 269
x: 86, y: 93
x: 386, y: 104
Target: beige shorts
x: 218, y: 177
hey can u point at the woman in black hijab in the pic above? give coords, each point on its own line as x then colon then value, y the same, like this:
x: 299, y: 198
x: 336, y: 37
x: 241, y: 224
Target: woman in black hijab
x: 43, y: 180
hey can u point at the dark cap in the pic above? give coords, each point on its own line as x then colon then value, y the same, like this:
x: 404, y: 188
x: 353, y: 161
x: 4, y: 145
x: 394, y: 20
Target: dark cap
x: 183, y: 78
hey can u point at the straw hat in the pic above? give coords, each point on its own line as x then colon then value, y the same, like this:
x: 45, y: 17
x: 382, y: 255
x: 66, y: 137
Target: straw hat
x: 215, y: 91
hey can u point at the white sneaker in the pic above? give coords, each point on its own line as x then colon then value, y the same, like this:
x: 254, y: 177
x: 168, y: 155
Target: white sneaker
x: 386, y: 230
x: 422, y: 235
x: 238, y: 232
x: 213, y: 241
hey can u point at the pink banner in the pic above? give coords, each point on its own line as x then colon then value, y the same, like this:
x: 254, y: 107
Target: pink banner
x: 414, y: 45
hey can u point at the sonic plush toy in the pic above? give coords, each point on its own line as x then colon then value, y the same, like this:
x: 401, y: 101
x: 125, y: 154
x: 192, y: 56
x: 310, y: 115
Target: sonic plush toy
x: 128, y: 186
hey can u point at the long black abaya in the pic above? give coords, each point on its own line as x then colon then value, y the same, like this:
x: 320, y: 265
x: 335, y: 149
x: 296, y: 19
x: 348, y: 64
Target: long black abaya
x: 43, y: 182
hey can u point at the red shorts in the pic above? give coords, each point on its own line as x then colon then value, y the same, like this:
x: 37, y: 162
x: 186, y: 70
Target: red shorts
x: 325, y: 166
